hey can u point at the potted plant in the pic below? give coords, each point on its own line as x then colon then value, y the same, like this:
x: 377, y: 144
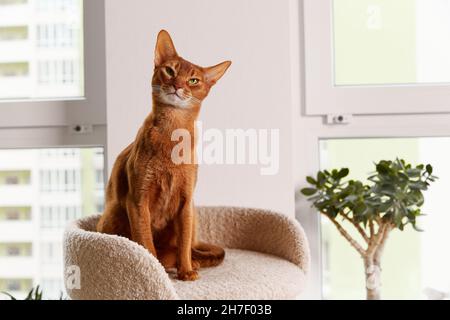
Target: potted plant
x: 391, y: 200
x: 33, y: 294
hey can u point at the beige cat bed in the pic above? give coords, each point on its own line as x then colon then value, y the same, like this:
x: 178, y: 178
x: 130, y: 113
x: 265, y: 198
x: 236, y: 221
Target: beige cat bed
x: 267, y: 257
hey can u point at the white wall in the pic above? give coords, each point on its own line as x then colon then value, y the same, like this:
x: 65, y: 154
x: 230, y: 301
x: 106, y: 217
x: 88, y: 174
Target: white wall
x: 255, y: 93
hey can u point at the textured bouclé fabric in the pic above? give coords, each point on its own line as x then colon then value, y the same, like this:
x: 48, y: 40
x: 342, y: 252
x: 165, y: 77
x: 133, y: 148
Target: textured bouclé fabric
x: 267, y: 257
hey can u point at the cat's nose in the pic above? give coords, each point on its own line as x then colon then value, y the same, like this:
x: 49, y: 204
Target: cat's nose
x: 177, y: 86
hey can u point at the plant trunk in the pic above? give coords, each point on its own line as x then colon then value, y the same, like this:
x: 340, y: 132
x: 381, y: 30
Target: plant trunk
x: 373, y: 278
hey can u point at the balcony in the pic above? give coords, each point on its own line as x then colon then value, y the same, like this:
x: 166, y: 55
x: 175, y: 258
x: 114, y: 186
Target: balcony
x: 17, y: 267
x: 15, y: 14
x: 16, y: 231
x: 15, y: 50
x: 18, y: 160
x: 17, y: 195
x: 15, y: 87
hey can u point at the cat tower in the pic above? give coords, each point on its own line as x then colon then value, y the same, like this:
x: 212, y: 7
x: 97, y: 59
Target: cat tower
x: 267, y: 257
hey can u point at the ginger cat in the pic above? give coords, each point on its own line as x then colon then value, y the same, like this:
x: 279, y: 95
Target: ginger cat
x: 149, y: 197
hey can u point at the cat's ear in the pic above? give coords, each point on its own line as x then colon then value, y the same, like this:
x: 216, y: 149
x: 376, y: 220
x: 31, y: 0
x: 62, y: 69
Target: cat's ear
x: 165, y: 49
x: 213, y: 74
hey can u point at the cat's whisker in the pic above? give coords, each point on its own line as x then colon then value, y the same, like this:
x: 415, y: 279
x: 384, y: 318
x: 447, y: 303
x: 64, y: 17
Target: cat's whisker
x: 156, y: 89
x: 192, y: 99
x: 195, y: 100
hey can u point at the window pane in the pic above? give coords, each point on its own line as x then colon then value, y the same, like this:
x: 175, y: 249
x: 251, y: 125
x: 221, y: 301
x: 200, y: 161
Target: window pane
x: 412, y: 261
x: 391, y: 41
x: 51, y: 188
x: 41, y: 49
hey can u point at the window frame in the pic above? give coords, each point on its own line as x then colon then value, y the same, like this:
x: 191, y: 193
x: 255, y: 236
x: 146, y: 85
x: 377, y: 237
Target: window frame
x: 311, y: 130
x: 90, y: 109
x: 311, y: 127
x: 324, y: 98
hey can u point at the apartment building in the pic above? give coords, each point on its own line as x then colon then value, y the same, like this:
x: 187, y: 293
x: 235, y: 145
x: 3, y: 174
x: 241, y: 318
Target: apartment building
x: 41, y: 49
x: 41, y: 190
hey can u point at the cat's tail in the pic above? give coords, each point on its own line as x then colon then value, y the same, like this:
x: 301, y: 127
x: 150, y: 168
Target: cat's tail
x: 208, y: 255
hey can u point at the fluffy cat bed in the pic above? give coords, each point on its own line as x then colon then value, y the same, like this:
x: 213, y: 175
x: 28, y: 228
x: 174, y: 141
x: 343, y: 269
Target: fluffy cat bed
x: 267, y: 257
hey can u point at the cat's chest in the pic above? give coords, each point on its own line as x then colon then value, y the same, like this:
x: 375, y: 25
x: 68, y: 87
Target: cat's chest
x: 170, y: 189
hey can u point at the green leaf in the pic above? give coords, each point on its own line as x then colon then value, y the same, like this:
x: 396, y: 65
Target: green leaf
x: 343, y: 173
x: 351, y: 198
x: 359, y: 209
x: 30, y: 295
x: 394, y: 193
x: 311, y: 180
x: 321, y: 179
x: 308, y: 191
x: 335, y: 174
x: 382, y: 167
x: 10, y: 296
x: 414, y: 173
x: 385, y: 206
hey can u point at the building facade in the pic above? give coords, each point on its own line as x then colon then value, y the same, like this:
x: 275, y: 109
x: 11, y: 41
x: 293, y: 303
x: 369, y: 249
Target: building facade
x: 41, y: 190
x: 41, y: 49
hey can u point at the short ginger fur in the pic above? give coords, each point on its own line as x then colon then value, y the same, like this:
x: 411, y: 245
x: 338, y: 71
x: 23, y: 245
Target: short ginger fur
x: 149, y: 197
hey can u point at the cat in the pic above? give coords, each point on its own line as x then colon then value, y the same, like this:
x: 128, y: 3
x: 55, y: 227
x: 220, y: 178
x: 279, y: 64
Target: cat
x: 149, y: 197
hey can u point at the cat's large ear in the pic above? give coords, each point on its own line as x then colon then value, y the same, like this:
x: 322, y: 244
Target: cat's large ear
x: 213, y: 74
x: 165, y: 49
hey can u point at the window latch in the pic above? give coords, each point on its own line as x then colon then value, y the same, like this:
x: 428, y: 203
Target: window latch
x: 339, y: 119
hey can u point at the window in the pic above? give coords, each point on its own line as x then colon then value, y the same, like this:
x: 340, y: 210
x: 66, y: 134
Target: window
x: 99, y: 179
x: 57, y: 37
x: 354, y: 64
x: 12, y: 215
x: 64, y: 190
x: 13, y: 251
x: 15, y: 213
x: 14, y: 70
x: 100, y: 207
x: 57, y: 217
x: 56, y: 5
x: 52, y: 59
x: 408, y: 31
x: 67, y: 180
x: 51, y: 252
x: 52, y: 77
x: 12, y: 2
x: 13, y: 33
x: 377, y: 57
x: 9, y: 177
x: 14, y: 285
x: 11, y: 180
x: 411, y: 262
x: 53, y: 288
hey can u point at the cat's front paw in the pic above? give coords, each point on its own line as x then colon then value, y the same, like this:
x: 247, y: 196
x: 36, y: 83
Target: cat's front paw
x: 188, y: 275
x: 196, y: 265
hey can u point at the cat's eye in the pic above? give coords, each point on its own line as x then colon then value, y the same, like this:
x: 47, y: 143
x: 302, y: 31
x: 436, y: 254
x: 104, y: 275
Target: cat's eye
x: 193, y: 81
x: 170, y: 72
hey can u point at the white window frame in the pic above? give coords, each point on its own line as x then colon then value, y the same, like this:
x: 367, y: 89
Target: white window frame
x: 323, y: 97
x: 91, y: 109
x: 310, y: 128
